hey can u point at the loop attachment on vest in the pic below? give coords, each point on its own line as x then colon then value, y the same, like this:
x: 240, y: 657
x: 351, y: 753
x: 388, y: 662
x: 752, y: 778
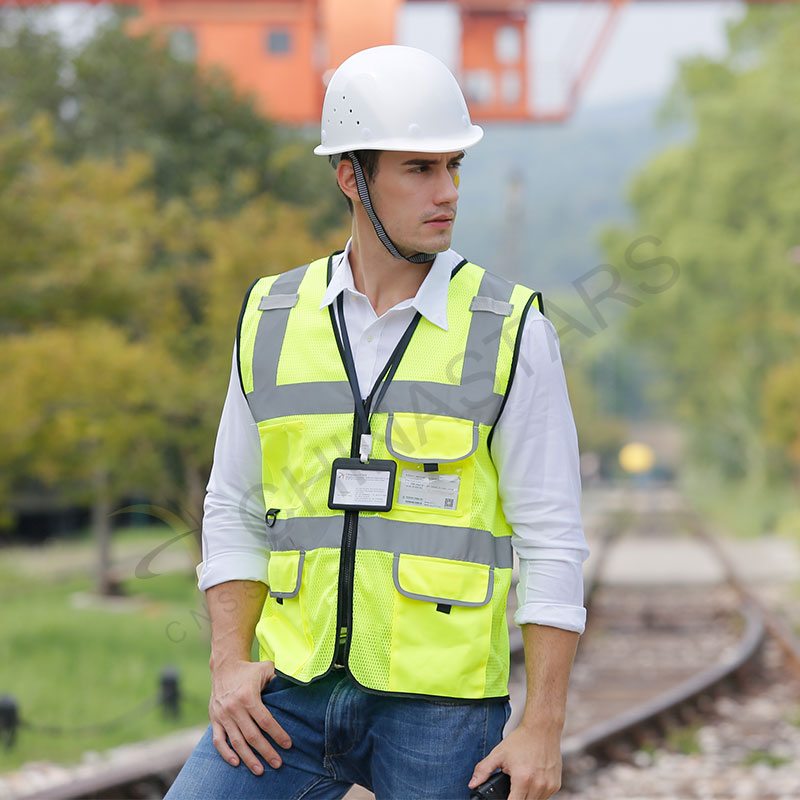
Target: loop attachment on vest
x: 499, y: 307
x: 272, y: 301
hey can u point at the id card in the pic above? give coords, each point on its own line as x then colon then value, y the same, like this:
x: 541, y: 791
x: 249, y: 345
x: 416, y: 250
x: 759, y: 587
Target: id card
x: 362, y: 486
x: 428, y: 490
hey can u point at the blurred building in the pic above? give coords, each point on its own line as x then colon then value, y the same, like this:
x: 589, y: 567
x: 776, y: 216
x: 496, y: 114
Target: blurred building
x: 284, y: 50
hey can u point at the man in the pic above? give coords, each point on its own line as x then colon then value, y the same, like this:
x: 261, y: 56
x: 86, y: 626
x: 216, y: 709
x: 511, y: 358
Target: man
x: 398, y: 417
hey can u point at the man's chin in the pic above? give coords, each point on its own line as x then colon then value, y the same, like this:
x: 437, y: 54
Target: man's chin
x: 433, y: 244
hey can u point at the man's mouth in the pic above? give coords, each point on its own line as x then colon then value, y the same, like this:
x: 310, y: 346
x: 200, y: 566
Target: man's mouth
x: 442, y: 221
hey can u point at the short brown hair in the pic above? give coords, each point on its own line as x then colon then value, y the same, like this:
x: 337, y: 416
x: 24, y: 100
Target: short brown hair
x: 369, y: 164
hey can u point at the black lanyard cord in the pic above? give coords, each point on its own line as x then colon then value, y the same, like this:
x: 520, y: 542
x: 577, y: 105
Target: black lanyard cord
x: 365, y: 408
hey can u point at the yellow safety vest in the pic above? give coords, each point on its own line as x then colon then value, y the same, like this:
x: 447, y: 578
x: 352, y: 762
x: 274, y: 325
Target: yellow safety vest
x: 412, y: 600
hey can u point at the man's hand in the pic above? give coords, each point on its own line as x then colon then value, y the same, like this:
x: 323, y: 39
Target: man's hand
x: 236, y: 709
x: 533, y: 760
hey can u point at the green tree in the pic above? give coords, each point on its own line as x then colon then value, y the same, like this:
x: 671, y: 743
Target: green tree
x: 117, y: 93
x: 724, y: 205
x: 118, y: 316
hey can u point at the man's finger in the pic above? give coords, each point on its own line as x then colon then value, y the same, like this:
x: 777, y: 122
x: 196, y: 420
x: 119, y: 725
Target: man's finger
x: 221, y: 743
x: 255, y: 738
x: 269, y: 724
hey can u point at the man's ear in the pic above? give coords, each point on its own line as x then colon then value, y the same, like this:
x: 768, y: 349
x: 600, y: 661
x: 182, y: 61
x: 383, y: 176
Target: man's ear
x: 347, y: 179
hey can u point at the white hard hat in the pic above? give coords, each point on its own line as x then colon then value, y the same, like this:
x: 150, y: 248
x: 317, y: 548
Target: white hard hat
x: 395, y: 98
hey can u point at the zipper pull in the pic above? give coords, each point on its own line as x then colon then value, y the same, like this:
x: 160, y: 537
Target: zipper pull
x: 272, y: 514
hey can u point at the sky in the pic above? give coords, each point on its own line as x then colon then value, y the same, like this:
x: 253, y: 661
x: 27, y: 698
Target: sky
x: 640, y: 59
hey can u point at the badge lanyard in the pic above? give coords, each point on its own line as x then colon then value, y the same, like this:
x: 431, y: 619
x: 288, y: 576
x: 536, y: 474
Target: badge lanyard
x: 365, y: 408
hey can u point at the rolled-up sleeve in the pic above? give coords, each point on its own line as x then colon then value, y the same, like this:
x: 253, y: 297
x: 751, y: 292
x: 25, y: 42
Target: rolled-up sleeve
x: 234, y: 533
x: 535, y: 451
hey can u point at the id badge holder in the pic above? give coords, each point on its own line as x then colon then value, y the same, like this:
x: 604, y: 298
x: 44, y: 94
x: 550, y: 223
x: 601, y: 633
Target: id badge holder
x: 362, y: 486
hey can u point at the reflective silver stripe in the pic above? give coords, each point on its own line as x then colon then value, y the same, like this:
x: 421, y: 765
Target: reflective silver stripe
x: 406, y: 457
x: 430, y: 598
x: 391, y: 536
x: 270, y: 301
x: 480, y: 303
x: 335, y: 397
x: 296, y: 589
x: 269, y: 338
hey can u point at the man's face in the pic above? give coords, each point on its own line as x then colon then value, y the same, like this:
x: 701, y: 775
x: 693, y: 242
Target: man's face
x: 415, y: 197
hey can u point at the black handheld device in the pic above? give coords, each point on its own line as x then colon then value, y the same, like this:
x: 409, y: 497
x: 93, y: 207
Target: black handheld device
x: 496, y: 787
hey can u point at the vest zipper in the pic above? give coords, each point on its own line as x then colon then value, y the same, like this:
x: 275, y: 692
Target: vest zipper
x: 347, y: 565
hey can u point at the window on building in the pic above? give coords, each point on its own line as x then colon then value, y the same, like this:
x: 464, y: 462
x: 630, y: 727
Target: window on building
x: 278, y: 41
x: 511, y: 87
x: 508, y: 44
x: 479, y: 86
x: 182, y: 44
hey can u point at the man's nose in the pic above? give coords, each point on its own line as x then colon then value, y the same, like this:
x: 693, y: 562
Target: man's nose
x: 446, y: 188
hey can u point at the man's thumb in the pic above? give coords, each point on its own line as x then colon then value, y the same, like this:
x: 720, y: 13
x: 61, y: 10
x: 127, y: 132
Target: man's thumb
x: 483, y: 769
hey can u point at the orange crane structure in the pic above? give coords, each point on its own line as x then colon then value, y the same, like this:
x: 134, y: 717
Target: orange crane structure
x: 283, y: 51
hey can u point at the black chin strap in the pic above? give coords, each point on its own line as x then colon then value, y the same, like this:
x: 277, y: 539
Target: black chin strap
x: 363, y: 193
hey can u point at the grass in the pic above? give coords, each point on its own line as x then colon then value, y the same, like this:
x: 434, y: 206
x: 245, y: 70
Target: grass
x: 764, y: 757
x: 742, y: 509
x: 684, y: 740
x: 71, y: 668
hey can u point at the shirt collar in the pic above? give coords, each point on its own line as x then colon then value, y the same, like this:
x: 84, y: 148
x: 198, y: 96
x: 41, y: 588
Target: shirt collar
x: 430, y: 300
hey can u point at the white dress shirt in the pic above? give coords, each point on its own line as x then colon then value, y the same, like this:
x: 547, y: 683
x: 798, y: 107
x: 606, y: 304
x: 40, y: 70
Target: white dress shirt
x: 534, y: 449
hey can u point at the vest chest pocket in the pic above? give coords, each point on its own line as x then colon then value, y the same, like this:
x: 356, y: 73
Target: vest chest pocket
x: 282, y: 462
x: 442, y: 624
x: 436, y: 462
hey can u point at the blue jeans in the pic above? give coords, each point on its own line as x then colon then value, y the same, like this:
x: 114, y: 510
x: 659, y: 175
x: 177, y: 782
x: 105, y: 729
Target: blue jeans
x: 397, y: 747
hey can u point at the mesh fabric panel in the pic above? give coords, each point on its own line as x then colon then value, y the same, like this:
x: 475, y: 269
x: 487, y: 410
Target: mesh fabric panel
x: 373, y: 609
x: 324, y: 438
x: 497, y: 665
x: 448, y: 346
x: 322, y: 591
x: 313, y: 356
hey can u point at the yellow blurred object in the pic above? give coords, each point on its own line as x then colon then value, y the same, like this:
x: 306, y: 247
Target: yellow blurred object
x: 457, y: 181
x: 637, y: 457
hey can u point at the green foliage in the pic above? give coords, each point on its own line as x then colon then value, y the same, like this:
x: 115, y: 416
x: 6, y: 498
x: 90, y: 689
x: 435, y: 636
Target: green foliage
x: 684, y: 740
x: 725, y: 207
x: 119, y: 93
x: 139, y: 198
x: 73, y: 667
x: 764, y: 757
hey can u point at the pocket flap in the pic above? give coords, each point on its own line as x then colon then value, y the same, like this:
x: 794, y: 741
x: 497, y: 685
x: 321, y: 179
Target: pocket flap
x: 428, y: 438
x: 284, y: 571
x: 437, y: 580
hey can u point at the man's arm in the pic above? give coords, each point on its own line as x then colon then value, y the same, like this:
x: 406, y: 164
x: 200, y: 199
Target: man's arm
x: 535, y: 450
x: 531, y: 753
x: 233, y: 576
x: 235, y: 707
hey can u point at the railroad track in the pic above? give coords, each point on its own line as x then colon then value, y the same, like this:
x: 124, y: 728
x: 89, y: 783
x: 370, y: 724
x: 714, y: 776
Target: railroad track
x: 654, y: 657
x: 651, y: 659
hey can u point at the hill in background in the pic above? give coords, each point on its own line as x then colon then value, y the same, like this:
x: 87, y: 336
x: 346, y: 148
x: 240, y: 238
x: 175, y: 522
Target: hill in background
x: 570, y: 180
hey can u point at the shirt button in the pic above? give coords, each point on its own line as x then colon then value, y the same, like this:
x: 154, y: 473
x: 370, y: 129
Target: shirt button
x: 369, y: 337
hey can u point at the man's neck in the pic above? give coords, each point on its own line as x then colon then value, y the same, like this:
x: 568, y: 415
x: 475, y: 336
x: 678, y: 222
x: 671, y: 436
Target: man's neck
x: 384, y: 279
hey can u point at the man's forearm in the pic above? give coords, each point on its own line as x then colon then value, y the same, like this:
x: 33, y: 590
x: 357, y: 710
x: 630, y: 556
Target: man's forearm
x: 549, y: 653
x: 234, y: 608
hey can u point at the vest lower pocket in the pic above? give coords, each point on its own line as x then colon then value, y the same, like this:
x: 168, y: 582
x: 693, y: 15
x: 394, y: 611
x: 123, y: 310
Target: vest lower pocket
x: 282, y: 629
x: 298, y: 621
x: 441, y: 626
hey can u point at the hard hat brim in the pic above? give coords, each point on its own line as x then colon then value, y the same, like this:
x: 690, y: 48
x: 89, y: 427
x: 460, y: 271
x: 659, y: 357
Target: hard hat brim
x: 405, y: 145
